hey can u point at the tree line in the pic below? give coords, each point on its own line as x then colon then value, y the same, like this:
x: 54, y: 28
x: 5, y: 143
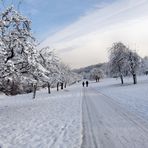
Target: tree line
x: 23, y: 67
x: 122, y: 62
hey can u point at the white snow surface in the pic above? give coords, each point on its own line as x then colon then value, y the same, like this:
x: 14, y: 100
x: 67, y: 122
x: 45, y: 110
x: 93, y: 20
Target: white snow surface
x: 133, y: 97
x: 49, y: 121
x: 108, y: 124
x: 55, y: 120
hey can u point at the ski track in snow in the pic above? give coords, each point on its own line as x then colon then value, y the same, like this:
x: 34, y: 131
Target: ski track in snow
x: 106, y: 124
x: 50, y: 121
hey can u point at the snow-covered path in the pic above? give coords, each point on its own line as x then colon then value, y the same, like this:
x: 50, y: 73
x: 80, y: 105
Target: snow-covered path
x: 108, y: 125
x: 114, y: 116
x: 49, y: 121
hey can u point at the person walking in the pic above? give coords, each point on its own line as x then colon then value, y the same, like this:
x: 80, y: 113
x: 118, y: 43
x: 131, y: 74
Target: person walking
x: 83, y: 83
x: 87, y: 83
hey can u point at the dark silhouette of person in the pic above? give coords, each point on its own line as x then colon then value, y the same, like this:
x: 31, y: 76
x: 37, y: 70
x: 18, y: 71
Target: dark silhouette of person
x: 86, y: 83
x: 83, y: 83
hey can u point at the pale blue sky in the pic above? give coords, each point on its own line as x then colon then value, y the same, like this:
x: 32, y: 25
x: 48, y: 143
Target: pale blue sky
x: 82, y: 31
x: 49, y: 16
x: 52, y: 15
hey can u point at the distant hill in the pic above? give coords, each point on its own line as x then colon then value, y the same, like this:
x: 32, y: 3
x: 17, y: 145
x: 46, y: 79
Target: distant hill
x: 87, y: 69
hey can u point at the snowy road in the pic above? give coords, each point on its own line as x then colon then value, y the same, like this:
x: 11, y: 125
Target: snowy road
x: 106, y: 124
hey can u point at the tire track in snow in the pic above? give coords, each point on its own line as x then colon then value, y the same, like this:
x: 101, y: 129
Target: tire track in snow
x: 107, y: 125
x: 140, y: 122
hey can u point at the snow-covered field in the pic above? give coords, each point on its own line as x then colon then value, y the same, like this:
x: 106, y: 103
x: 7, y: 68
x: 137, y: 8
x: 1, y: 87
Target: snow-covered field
x: 48, y: 121
x: 133, y: 97
x: 55, y: 120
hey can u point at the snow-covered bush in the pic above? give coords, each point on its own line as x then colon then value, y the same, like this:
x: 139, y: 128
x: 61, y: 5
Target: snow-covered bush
x: 96, y: 74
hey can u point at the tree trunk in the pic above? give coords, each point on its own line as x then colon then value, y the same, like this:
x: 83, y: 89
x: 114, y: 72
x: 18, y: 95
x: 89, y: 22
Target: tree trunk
x: 34, y: 90
x: 65, y: 85
x: 58, y: 86
x: 49, y: 88
x: 98, y: 79
x: 121, y: 77
x: 134, y: 79
x: 61, y: 85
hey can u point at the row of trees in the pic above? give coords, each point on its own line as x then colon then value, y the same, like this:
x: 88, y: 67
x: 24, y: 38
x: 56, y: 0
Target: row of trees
x: 22, y: 66
x: 124, y: 62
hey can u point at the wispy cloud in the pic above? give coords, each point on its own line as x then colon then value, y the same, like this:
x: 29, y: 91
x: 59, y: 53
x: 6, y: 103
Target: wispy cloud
x: 90, y: 36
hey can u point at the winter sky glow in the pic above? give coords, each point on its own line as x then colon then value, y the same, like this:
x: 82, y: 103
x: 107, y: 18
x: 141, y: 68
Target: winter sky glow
x: 82, y: 30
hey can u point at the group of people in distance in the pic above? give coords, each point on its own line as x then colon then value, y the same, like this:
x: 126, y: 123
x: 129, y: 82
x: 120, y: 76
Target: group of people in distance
x: 83, y: 84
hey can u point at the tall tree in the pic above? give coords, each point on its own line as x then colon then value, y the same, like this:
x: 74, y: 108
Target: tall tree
x: 118, y: 60
x: 50, y: 63
x: 17, y: 47
x: 133, y: 64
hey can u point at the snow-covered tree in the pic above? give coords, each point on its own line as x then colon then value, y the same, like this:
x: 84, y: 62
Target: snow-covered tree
x: 57, y: 73
x: 17, y: 48
x: 64, y: 74
x: 118, y: 60
x: 133, y: 64
x: 67, y: 76
x: 74, y: 78
x: 49, y: 64
x: 97, y: 73
x: 145, y: 65
x: 22, y: 66
x: 124, y: 61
